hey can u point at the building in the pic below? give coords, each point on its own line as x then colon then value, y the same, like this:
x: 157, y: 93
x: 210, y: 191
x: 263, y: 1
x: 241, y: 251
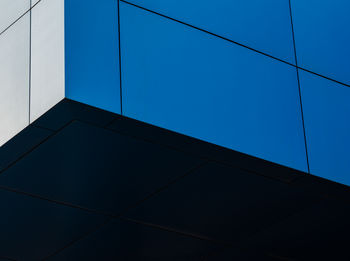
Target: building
x: 260, y: 86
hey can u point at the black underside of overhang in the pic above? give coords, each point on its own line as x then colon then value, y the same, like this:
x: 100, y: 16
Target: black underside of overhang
x: 81, y: 183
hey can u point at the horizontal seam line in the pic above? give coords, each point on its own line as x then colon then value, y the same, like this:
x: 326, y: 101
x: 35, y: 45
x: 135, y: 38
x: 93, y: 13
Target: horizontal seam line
x: 213, y: 34
x: 85, y: 235
x: 208, y: 32
x: 33, y: 148
x: 19, y: 18
x: 232, y: 41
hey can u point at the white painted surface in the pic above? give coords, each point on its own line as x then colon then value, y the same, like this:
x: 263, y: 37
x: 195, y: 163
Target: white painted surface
x: 35, y: 1
x: 14, y: 79
x: 47, y: 57
x: 11, y: 10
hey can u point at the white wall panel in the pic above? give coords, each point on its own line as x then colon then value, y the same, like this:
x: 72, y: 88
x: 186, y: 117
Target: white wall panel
x: 14, y: 79
x: 47, y: 57
x: 35, y: 1
x: 11, y: 10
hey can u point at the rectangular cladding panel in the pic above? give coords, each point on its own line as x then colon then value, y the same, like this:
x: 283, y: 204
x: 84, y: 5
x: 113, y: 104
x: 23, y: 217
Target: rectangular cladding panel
x: 14, y: 79
x: 327, y: 112
x: 262, y: 25
x: 47, y: 56
x: 11, y: 10
x: 197, y: 84
x: 322, y: 37
x: 92, y: 61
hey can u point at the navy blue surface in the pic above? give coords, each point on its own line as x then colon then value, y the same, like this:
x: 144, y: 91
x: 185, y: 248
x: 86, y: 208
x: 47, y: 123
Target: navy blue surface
x: 193, y: 83
x: 322, y: 37
x: 215, y: 196
x: 305, y: 235
x: 19, y: 145
x: 91, y: 46
x: 62, y: 196
x: 327, y: 124
x: 33, y: 229
x: 97, y: 169
x: 121, y: 240
x: 262, y: 25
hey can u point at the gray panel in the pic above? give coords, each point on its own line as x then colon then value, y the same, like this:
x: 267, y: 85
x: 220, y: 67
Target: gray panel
x: 47, y: 74
x: 10, y: 10
x: 14, y: 79
x: 36, y: 1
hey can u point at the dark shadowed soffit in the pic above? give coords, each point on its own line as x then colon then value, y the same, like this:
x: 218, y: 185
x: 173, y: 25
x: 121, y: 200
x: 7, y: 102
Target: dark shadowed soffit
x: 81, y: 183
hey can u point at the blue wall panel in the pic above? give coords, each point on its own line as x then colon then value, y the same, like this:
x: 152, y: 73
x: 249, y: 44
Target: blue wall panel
x: 188, y: 81
x: 323, y: 37
x: 326, y: 107
x: 263, y: 25
x: 92, y: 62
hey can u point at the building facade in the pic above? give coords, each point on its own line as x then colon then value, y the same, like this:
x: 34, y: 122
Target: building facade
x: 267, y: 78
x: 31, y: 62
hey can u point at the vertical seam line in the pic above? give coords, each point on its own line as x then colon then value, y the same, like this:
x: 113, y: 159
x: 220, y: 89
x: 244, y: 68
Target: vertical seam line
x: 120, y: 63
x: 30, y: 58
x: 299, y: 88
